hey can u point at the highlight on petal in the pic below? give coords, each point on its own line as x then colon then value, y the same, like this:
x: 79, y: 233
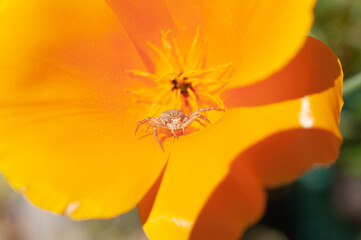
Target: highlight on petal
x: 259, y: 37
x: 66, y: 123
x: 314, y: 69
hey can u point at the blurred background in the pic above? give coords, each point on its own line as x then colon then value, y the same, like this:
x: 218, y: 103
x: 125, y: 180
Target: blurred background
x: 323, y: 204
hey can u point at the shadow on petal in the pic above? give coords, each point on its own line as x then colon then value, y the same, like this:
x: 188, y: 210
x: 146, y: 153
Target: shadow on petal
x: 284, y: 156
x: 314, y: 69
x: 146, y: 204
x: 143, y: 21
x: 239, y: 199
x: 236, y: 203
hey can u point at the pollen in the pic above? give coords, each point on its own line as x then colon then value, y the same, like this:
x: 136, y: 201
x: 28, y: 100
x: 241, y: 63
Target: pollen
x: 185, y: 82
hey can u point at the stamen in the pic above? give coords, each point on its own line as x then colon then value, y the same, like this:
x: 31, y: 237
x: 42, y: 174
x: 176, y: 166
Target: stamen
x: 169, y: 50
x: 140, y: 73
x: 187, y: 84
x: 193, y: 49
x: 179, y: 56
x: 213, y: 98
x: 212, y: 88
x: 203, y: 57
x: 165, y: 78
x: 199, y: 73
x: 161, y: 55
x: 193, y: 99
x: 159, y: 97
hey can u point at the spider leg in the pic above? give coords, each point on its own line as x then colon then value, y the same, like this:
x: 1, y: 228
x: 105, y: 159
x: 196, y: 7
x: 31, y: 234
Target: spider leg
x: 186, y: 119
x: 197, y: 114
x: 160, y: 120
x: 184, y: 131
x: 156, y: 137
x: 156, y: 122
x: 190, y: 120
x: 150, y: 123
x: 204, y: 118
x: 142, y: 122
x: 194, y: 117
x: 207, y: 109
x: 197, y: 120
x: 175, y: 135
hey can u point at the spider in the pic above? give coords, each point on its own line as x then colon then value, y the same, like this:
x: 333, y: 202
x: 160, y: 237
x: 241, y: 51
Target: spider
x: 174, y: 120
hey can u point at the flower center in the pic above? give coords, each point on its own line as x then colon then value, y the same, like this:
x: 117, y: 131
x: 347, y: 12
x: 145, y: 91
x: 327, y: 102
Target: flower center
x: 186, y: 84
x: 182, y: 85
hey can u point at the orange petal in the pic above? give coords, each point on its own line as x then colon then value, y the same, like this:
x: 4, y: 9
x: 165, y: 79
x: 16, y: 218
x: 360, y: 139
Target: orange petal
x: 143, y: 21
x: 273, y: 140
x: 284, y: 156
x: 66, y: 124
x: 237, y: 202
x: 260, y: 37
x: 226, y: 213
x: 314, y: 69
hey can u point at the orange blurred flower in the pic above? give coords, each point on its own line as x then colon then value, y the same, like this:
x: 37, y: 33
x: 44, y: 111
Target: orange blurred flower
x: 77, y: 76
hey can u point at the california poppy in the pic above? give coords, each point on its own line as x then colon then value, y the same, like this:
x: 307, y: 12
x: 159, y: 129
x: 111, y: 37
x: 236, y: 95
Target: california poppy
x: 77, y: 76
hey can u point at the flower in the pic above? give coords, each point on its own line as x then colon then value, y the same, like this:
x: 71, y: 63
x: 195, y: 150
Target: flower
x: 77, y: 76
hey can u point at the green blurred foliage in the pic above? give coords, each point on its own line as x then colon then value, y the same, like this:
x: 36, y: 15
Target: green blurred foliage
x: 338, y: 24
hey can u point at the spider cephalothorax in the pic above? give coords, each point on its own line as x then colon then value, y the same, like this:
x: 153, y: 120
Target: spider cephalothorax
x: 174, y: 120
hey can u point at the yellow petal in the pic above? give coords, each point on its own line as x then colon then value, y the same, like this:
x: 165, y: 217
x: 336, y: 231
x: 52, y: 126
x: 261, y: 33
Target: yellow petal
x: 276, y: 142
x: 66, y: 124
x: 314, y: 69
x: 260, y: 37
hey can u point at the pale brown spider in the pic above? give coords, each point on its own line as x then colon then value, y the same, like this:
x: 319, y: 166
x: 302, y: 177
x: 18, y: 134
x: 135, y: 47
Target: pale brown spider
x: 174, y: 120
